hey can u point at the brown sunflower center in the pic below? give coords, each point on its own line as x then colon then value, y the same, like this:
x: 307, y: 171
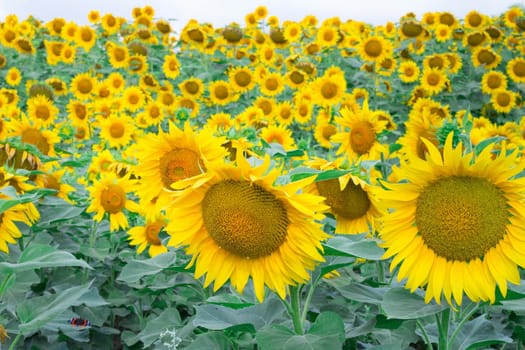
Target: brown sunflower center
x: 35, y: 137
x: 503, y: 99
x: 85, y: 86
x: 42, y: 112
x: 475, y: 20
x: 411, y: 30
x: 221, y: 92
x: 242, y: 79
x: 178, y: 164
x: 373, y: 48
x: 475, y: 39
x: 486, y: 57
x: 244, y: 218
x: 297, y: 77
x: 519, y: 69
x: 350, y: 203
x: 117, y: 129
x: 362, y: 137
x: 133, y: 99
x: 433, y: 79
x: 494, y: 81
x: 50, y: 181
x: 271, y: 84
x: 461, y: 217
x: 328, y: 131
x: 119, y: 54
x: 152, y: 233
x: 329, y: 90
x: 191, y: 87
x: 113, y: 198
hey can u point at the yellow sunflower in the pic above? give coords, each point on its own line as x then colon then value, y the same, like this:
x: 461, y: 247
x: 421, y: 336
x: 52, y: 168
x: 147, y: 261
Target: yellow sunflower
x: 171, y: 66
x: 33, y: 131
x: 165, y: 158
x: 108, y: 195
x: 117, y: 130
x: 375, y: 48
x: 118, y: 55
x: 456, y: 225
x: 329, y: 89
x: 86, y: 37
x: 236, y: 224
x: 148, y: 235
x: 221, y: 92
x: 21, y: 213
x: 192, y: 87
x: 116, y: 82
x: 133, y: 98
x: 351, y: 199
x: 358, y: 137
x: 433, y: 81
x: 241, y: 79
x: 503, y: 100
x: 284, y: 113
x: 442, y: 33
x: 272, y: 84
x: 516, y: 70
x: 486, y: 57
x: 53, y: 179
x: 408, y: 72
x: 278, y: 134
x: 493, y: 80
x: 83, y: 86
x: 324, y: 130
x: 40, y: 107
x: 13, y: 76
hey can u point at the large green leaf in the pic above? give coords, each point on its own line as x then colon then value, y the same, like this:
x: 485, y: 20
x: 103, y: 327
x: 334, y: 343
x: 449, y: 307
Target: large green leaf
x: 166, y: 321
x: 217, y: 317
x: 354, y: 245
x: 327, y: 332
x: 39, y: 255
x: 136, y: 269
x: 400, y: 303
x: 480, y: 333
x: 210, y: 341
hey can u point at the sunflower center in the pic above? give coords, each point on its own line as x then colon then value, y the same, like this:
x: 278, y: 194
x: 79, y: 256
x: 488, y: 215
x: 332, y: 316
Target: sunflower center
x: 117, y: 130
x: 475, y: 20
x: 113, y: 198
x: 329, y: 90
x: 271, y: 84
x: 433, y: 79
x: 221, y: 92
x: 503, y: 99
x: 152, y: 233
x: 328, y: 131
x: 373, y: 48
x: 191, y: 87
x: 494, y: 81
x: 297, y: 77
x: 35, y: 137
x: 50, y: 182
x: 519, y: 69
x: 486, y: 57
x: 362, y: 137
x: 119, y: 54
x: 350, y: 203
x: 178, y: 164
x: 85, y: 86
x: 475, y: 39
x: 42, y: 112
x: 242, y: 79
x: 133, y: 99
x: 411, y: 30
x: 461, y: 217
x: 244, y: 218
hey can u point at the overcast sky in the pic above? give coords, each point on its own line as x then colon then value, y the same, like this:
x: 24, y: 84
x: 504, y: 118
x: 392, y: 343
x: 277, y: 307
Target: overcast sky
x: 220, y: 13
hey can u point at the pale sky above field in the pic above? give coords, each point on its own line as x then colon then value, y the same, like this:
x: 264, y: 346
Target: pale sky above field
x: 220, y: 13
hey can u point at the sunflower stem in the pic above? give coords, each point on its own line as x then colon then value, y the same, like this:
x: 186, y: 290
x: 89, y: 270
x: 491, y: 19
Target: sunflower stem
x: 308, y: 299
x: 461, y: 323
x: 13, y: 344
x: 443, y: 324
x: 296, y: 309
x: 425, y: 334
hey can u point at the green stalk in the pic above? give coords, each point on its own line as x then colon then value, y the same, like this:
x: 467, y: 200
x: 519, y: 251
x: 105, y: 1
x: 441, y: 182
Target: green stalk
x: 13, y: 344
x: 443, y: 329
x: 425, y: 334
x: 308, y: 299
x: 4, y: 284
x: 296, y: 310
x: 462, y: 323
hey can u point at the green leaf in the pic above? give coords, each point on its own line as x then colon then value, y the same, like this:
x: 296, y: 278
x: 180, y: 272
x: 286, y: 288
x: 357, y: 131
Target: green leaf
x: 362, y: 293
x: 136, y: 269
x: 484, y: 143
x: 400, y: 303
x: 36, y: 312
x: 217, y: 317
x: 39, y: 255
x: 354, y: 245
x: 167, y: 320
x: 331, y: 174
x: 327, y: 332
x: 210, y: 341
x: 480, y: 333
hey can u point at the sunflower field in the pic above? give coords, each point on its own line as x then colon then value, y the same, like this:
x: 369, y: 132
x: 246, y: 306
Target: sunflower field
x: 267, y: 185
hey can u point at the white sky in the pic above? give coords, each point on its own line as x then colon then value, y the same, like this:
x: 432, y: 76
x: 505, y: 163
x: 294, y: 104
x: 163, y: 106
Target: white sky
x: 220, y: 13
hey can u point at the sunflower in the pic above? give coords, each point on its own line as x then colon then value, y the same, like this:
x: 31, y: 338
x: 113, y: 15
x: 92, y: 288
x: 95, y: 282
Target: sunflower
x: 516, y: 70
x: 433, y: 81
x: 351, y: 199
x: 442, y: 33
x: 219, y: 122
x: 278, y: 134
x: 13, y: 76
x: 40, y: 107
x: 236, y: 224
x: 20, y: 213
x: 137, y: 64
x: 153, y: 113
x: 117, y: 130
x: 192, y: 87
x: 171, y: 66
x: 33, y: 131
x: 133, y: 98
x: 116, y: 82
x: 503, y: 100
x: 324, y: 130
x: 296, y: 78
x: 118, y: 55
x: 493, y: 80
x: 486, y: 57
x: 292, y: 32
x: 327, y: 36
x: 221, y: 92
x: 272, y: 84
x: 456, y: 225
x: 329, y: 89
x: 53, y: 179
x: 408, y: 71
x: 108, y: 195
x: 358, y: 137
x: 283, y: 113
x: 474, y: 20
x: 83, y: 86
x: 375, y: 48
x: 58, y: 85
x: 94, y: 16
x: 142, y: 236
x: 86, y: 37
x: 165, y: 158
x: 241, y: 79
x: 303, y: 111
